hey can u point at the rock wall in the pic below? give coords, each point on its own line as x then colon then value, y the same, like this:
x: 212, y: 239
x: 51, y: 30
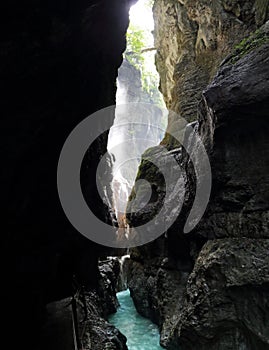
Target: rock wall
x: 226, y: 303
x: 209, y: 289
x: 236, y: 221
x: 192, y: 38
x: 95, y: 306
x: 99, y: 334
x: 59, y: 62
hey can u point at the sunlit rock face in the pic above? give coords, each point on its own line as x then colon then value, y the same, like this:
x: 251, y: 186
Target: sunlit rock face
x: 192, y: 38
x: 230, y: 103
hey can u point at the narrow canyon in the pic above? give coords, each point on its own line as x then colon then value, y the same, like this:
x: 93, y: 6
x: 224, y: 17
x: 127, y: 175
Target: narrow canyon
x: 203, y: 283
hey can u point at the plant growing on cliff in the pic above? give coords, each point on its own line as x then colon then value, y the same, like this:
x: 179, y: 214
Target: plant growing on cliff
x: 248, y: 44
x: 136, y: 41
x: 142, y: 57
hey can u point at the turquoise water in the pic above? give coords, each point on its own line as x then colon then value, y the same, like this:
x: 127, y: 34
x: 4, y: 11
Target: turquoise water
x: 140, y: 332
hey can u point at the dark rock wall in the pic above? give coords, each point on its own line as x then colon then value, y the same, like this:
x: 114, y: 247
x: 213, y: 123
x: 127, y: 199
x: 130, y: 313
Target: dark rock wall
x: 231, y: 271
x: 59, y: 62
x: 226, y: 303
x: 94, y: 329
x: 208, y: 309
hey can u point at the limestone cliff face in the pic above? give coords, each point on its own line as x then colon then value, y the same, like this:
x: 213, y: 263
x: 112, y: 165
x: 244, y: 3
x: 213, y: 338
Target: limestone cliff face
x: 192, y: 38
x: 229, y: 282
x: 197, y: 286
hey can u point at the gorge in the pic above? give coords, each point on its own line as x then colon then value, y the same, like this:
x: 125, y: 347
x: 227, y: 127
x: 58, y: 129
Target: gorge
x: 204, y: 289
x: 141, y: 333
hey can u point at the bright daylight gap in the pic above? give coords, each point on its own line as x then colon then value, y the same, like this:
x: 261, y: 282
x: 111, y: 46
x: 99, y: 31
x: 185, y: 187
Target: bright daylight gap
x: 136, y: 130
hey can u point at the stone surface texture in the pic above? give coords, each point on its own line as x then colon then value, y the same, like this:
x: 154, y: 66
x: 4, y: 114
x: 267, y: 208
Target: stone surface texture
x: 216, y: 276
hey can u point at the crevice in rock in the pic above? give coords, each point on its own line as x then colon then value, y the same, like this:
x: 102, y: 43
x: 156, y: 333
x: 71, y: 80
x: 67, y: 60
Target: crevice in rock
x: 205, y: 289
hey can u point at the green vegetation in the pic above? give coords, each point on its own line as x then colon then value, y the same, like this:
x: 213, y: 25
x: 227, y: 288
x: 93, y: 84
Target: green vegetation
x: 141, y: 56
x: 248, y: 44
x: 136, y: 42
x: 150, y: 3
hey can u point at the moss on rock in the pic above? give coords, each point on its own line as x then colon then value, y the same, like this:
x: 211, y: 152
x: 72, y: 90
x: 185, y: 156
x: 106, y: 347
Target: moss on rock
x: 257, y: 39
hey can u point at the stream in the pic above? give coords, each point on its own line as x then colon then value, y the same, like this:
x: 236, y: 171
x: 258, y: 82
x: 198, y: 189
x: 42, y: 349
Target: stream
x: 140, y: 332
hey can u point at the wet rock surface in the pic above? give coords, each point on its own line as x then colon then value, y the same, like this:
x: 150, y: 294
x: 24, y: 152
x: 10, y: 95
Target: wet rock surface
x: 157, y: 291
x: 236, y: 106
x: 115, y: 272
x: 227, y: 294
x: 94, y: 307
x: 223, y: 304
x: 95, y: 331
